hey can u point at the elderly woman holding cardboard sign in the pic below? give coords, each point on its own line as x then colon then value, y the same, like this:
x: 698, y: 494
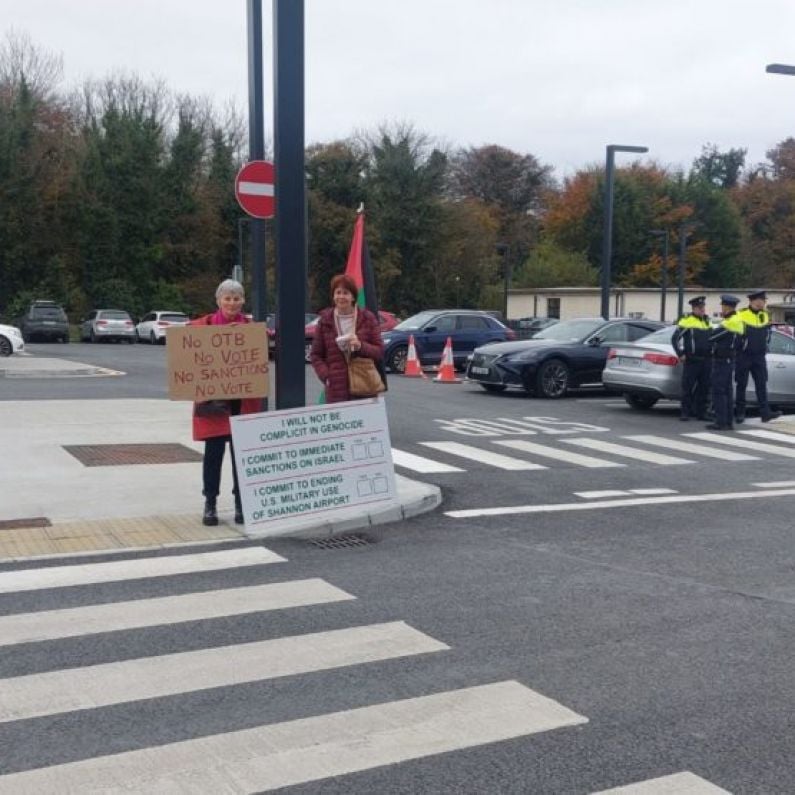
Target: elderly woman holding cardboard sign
x: 346, y: 346
x: 211, y: 418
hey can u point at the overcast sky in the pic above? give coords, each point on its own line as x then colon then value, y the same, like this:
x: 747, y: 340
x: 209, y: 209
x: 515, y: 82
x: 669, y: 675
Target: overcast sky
x: 560, y: 79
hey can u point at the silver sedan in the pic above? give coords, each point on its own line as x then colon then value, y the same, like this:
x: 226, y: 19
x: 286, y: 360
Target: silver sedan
x: 649, y: 370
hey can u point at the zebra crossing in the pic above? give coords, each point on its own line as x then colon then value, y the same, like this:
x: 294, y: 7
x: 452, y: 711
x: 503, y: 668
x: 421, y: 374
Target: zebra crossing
x: 598, y: 452
x: 240, y: 759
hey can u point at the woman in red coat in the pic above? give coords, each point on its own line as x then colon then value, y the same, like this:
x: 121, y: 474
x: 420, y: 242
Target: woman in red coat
x: 343, y: 329
x: 211, y: 418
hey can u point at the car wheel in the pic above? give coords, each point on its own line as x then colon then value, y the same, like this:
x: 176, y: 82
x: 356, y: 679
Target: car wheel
x: 152, y: 338
x: 65, y: 339
x: 6, y: 348
x: 494, y: 387
x: 552, y: 380
x: 397, y: 359
x: 642, y: 402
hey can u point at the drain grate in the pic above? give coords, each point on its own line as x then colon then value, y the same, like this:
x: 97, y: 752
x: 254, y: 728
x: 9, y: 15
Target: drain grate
x: 341, y: 542
x: 109, y: 455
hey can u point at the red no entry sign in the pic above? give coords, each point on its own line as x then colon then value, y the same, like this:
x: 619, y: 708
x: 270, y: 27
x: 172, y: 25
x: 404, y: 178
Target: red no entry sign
x: 254, y: 188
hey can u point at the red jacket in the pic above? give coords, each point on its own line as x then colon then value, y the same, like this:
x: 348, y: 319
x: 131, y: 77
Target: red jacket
x: 208, y: 427
x: 329, y: 361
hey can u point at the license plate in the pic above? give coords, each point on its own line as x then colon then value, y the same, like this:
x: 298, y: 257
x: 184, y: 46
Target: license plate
x: 628, y: 361
x: 480, y: 370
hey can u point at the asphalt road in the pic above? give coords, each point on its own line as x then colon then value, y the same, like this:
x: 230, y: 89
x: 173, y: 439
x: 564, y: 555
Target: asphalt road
x: 647, y: 588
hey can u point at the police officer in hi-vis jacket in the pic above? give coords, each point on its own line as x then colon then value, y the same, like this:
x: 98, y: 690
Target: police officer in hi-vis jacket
x: 692, y: 344
x: 726, y: 340
x: 751, y: 361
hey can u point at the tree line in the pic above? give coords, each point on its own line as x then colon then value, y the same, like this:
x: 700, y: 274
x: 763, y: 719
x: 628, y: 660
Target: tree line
x: 121, y: 194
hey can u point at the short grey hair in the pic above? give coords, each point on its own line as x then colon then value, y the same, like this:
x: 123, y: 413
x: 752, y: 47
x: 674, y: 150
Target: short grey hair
x: 230, y: 286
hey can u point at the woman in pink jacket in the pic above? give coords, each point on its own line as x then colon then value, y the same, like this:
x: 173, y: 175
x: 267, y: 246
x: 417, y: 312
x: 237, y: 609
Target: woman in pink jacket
x: 343, y: 329
x: 211, y: 418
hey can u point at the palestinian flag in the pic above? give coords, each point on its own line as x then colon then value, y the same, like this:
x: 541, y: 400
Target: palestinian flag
x: 360, y: 269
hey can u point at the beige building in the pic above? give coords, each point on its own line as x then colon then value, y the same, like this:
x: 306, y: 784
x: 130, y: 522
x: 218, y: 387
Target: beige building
x: 638, y: 302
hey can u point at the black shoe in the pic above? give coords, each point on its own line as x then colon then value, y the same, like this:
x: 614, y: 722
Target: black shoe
x: 774, y: 415
x: 739, y: 418
x: 239, y: 512
x: 683, y: 418
x: 715, y: 427
x: 210, y: 517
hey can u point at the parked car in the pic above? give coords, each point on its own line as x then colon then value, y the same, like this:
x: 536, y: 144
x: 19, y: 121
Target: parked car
x: 530, y: 326
x: 107, y: 324
x: 649, y: 370
x: 44, y: 320
x: 386, y: 322
x: 310, y: 318
x: 153, y: 325
x: 11, y: 340
x: 568, y: 354
x: 467, y: 328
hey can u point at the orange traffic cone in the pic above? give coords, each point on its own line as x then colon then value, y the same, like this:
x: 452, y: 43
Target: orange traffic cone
x: 413, y: 369
x: 447, y: 368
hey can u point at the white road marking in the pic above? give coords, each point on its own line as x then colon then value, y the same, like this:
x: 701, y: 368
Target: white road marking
x: 311, y: 749
x: 471, y: 513
x: 691, y: 447
x: 748, y: 444
x: 677, y: 784
x: 92, y: 686
x: 775, y: 484
x: 651, y: 492
x: 598, y: 495
x: 774, y: 436
x: 76, y: 621
x: 133, y: 569
x: 482, y: 456
x: 419, y: 464
x: 559, y: 455
x: 628, y: 452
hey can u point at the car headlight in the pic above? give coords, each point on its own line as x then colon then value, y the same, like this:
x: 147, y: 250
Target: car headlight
x: 386, y: 339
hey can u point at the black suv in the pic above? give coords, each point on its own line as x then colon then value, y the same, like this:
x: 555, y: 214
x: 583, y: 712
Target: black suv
x: 44, y: 320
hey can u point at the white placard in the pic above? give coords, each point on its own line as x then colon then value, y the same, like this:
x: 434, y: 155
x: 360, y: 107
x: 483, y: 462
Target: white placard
x: 313, y: 461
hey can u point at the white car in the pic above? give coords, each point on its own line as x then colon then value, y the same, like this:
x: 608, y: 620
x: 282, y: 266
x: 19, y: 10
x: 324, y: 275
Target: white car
x: 10, y: 340
x: 152, y: 327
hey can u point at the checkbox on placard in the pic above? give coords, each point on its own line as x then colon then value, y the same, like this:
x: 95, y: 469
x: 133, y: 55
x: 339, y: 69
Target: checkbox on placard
x: 363, y: 486
x: 375, y: 449
x: 359, y: 451
x: 380, y: 485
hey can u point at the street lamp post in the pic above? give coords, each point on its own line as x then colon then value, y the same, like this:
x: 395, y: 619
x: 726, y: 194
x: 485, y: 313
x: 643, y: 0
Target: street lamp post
x: 504, y: 250
x: 684, y: 230
x: 607, y: 236
x: 663, y: 233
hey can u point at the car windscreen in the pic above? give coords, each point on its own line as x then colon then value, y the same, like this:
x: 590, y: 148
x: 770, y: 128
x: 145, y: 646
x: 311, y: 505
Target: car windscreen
x: 416, y: 321
x: 47, y: 313
x: 175, y: 318
x: 659, y: 337
x: 569, y: 330
x: 113, y: 314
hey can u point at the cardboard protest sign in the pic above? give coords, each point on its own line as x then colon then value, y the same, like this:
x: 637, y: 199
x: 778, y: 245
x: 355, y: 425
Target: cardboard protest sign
x: 217, y: 362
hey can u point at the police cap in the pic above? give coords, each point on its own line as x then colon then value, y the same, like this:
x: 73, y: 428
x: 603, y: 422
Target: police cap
x: 699, y: 300
x: 757, y: 294
x: 729, y: 300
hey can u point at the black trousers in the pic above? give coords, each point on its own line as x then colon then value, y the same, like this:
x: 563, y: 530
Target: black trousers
x: 722, y: 391
x: 755, y: 366
x: 214, y: 449
x: 696, y: 376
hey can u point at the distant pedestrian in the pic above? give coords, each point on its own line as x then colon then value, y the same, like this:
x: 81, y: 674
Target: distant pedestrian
x: 211, y: 418
x: 691, y: 341
x: 343, y: 331
x: 726, y: 340
x: 752, y: 361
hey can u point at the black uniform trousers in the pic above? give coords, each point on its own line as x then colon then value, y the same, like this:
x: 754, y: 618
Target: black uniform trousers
x: 723, y: 390
x: 696, y: 374
x: 214, y: 449
x: 754, y: 365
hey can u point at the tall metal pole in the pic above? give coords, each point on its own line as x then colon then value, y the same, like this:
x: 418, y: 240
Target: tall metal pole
x: 291, y: 215
x: 664, y: 276
x: 256, y: 151
x: 607, y: 232
x: 505, y: 250
x: 680, y: 276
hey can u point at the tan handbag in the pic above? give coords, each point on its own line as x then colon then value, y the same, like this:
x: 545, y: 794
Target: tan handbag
x: 363, y: 378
